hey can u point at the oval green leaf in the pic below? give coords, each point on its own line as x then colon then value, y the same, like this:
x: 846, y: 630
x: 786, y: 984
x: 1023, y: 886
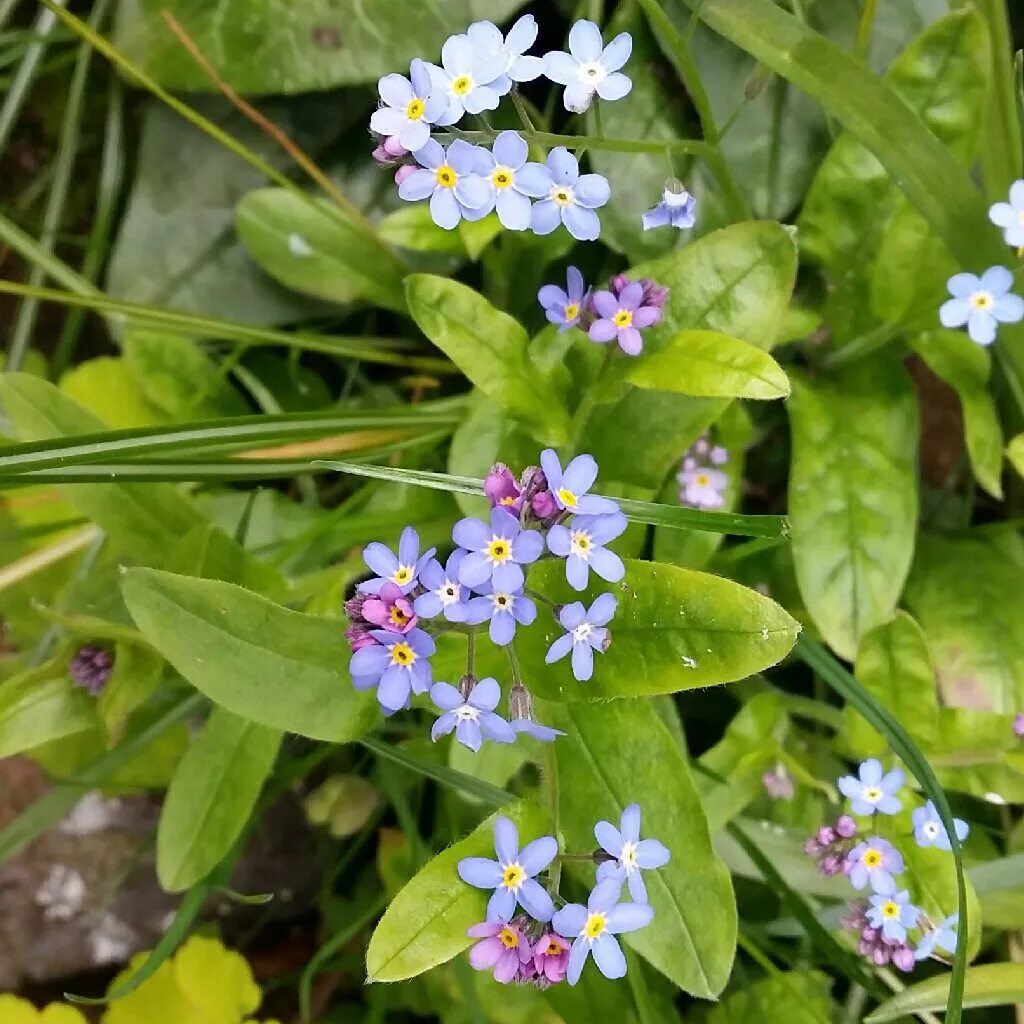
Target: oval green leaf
x: 38, y: 707
x: 987, y: 985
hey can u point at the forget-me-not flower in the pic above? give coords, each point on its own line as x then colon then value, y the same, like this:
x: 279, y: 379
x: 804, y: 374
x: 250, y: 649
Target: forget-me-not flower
x: 590, y: 67
x: 893, y: 914
x: 563, y: 306
x: 473, y: 719
x: 873, y: 791
x: 390, y: 609
x: 569, y: 487
x: 622, y: 317
x: 411, y: 107
x: 496, y: 551
x: 581, y: 544
x: 403, y: 570
x: 1010, y: 216
x: 982, y: 303
x: 701, y: 486
x: 503, y: 609
x: 585, y: 633
x: 449, y: 180
x: 469, y: 77
x: 396, y: 665
x: 511, y: 876
x: 571, y: 198
x: 929, y: 830
x: 676, y: 208
x: 512, y: 180
x: 445, y: 594
x: 593, y: 929
x: 875, y: 861
x: 632, y: 854
x: 942, y: 935
x: 503, y: 946
x: 509, y: 52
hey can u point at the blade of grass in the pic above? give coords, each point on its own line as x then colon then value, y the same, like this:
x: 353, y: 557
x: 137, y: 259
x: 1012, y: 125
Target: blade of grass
x: 32, y: 252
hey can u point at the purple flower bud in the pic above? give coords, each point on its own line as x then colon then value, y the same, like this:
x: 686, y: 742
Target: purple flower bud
x: 654, y: 294
x: 390, y: 151
x: 846, y: 827
x: 778, y: 783
x: 403, y: 172
x: 1018, y: 725
x: 826, y: 835
x: 831, y: 865
x: 881, y: 956
x: 869, y: 935
x: 354, y: 608
x: 618, y: 284
x: 903, y: 958
x: 857, y: 918
x: 90, y: 668
x: 812, y: 847
x: 501, y: 488
x: 543, y: 506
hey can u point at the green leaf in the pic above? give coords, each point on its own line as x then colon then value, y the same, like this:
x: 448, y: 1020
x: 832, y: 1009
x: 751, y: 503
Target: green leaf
x: 39, y: 706
x: 135, y: 676
x: 109, y: 390
x: 1001, y: 160
x: 1015, y: 453
x: 272, y: 46
x: 788, y: 997
x: 427, y: 921
x: 977, y: 752
x: 211, y: 797
x: 853, y: 496
x: 491, y: 350
x: 413, y: 228
x: 316, y: 252
x: 256, y: 659
x: 987, y: 985
x: 711, y: 365
x: 674, y: 629
x: 692, y: 939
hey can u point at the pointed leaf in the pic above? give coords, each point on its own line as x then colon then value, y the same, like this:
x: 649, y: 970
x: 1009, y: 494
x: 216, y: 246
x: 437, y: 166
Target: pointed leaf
x: 987, y: 985
x: 37, y: 707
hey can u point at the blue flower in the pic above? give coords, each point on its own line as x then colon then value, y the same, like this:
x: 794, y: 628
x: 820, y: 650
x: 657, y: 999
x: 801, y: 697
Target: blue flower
x: 496, y: 552
x: 508, y: 51
x: 1010, y: 216
x: 570, y: 487
x: 543, y: 733
x: 593, y: 929
x: 503, y: 609
x: 403, y: 570
x: 511, y: 876
x: 942, y: 935
x: 676, y: 209
x: 396, y: 665
x: 893, y: 914
x: 473, y: 719
x: 590, y: 66
x: 632, y: 854
x: 582, y: 547
x: 564, y: 307
x: 411, y: 107
x: 469, y: 78
x: 929, y: 830
x: 450, y: 181
x: 512, y: 181
x: 571, y: 198
x: 445, y: 595
x: 585, y: 633
x: 874, y: 861
x: 982, y: 303
x: 873, y: 791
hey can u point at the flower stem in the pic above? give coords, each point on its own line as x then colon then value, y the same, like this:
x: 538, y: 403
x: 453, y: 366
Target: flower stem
x: 470, y: 652
x: 551, y: 777
x: 537, y: 596
x: 513, y: 661
x: 524, y: 114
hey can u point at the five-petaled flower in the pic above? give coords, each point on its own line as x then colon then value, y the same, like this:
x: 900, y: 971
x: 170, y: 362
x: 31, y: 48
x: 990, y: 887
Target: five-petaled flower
x: 390, y: 609
x: 496, y: 552
x: 473, y: 719
x: 511, y: 876
x: 929, y: 830
x: 569, y: 488
x: 503, y: 609
x: 593, y: 929
x: 396, y: 665
x: 512, y: 180
x: 564, y: 306
x: 411, y: 107
x: 403, y: 570
x: 445, y: 594
x: 622, y: 317
x: 632, y: 854
x: 571, y: 198
x: 550, y: 956
x: 470, y: 78
x: 893, y: 914
x: 1010, y: 216
x: 982, y: 303
x: 449, y: 179
x: 503, y: 946
x: 873, y: 791
x: 875, y: 861
x: 701, y: 486
x: 508, y: 52
x: 942, y: 935
x: 590, y: 67
x: 585, y: 633
x: 676, y: 208
x: 581, y: 544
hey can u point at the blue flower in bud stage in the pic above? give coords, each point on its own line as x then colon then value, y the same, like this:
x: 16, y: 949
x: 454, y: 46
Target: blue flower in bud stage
x: 503, y: 609
x: 590, y: 67
x: 569, y: 488
x: 893, y: 914
x: 593, y: 929
x: 873, y: 791
x: 403, y: 570
x: 511, y: 876
x: 509, y: 51
x: 571, y: 198
x: 563, y: 307
x: 496, y: 553
x: 445, y: 595
x: 676, y: 209
x: 450, y: 181
x: 520, y: 713
x: 929, y: 830
x: 411, y: 107
x: 982, y: 303
x: 397, y: 665
x: 874, y: 861
x: 470, y: 78
x: 1010, y: 216
x: 512, y: 180
x: 473, y: 719
x: 942, y: 935
x: 632, y: 854
x: 585, y: 633
x: 582, y: 546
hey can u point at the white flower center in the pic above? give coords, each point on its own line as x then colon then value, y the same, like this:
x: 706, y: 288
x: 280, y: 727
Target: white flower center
x: 982, y: 301
x: 503, y: 602
x: 675, y: 199
x: 931, y: 829
x: 592, y: 73
x: 582, y: 632
x: 628, y: 857
x: 447, y: 593
x: 563, y: 195
x: 872, y: 794
x: 467, y: 713
x: 580, y: 544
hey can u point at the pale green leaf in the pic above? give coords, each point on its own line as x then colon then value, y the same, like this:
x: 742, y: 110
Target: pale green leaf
x: 38, y: 707
x: 988, y: 985
x: 788, y: 997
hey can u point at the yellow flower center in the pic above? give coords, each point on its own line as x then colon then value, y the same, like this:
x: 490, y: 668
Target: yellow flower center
x: 579, y: 542
x: 624, y: 318
x: 595, y: 925
x: 462, y: 85
x: 513, y: 876
x: 446, y: 176
x: 572, y: 311
x: 872, y: 858
x: 509, y: 939
x: 403, y: 654
x: 562, y: 195
x: 1020, y: 216
x: 502, y: 177
x: 397, y: 616
x: 702, y: 479
x: 415, y: 109
x: 890, y: 909
x: 567, y: 498
x: 507, y: 501
x: 402, y: 575
x: 982, y: 301
x: 553, y: 948
x: 499, y: 550
x: 872, y: 795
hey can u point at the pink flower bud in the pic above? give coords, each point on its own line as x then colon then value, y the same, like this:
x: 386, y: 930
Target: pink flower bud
x: 543, y: 505
x: 903, y: 958
x: 826, y: 835
x: 403, y: 172
x: 846, y: 827
x: 1018, y: 725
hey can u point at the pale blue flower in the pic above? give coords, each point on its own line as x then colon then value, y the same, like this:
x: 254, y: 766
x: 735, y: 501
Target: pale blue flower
x: 929, y: 830
x: 676, y: 208
x: 411, y: 107
x: 873, y: 791
x: 571, y: 198
x: 632, y: 854
x: 585, y: 633
x: 508, y: 52
x: 582, y: 545
x: 982, y: 303
x: 449, y: 180
x: 503, y: 610
x: 590, y: 67
x: 474, y: 718
x: 512, y: 181
x: 942, y: 935
x: 403, y: 570
x: 893, y: 914
x: 563, y: 306
x: 875, y: 861
x: 1010, y: 216
x: 469, y: 78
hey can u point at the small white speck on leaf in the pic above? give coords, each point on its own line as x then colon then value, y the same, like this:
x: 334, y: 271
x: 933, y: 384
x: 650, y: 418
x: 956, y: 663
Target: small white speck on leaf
x: 298, y: 246
x: 995, y: 798
x: 689, y: 662
x: 764, y: 633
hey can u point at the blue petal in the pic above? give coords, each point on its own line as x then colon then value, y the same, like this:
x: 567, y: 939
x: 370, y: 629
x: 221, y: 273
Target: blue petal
x: 559, y: 649
x: 480, y: 872
x: 511, y: 150
x: 506, y: 840
x: 577, y: 958
x: 564, y: 167
x: 569, y: 921
x: 608, y: 838
x: 584, y: 225
x: 535, y: 900
x: 444, y: 209
x: 629, y: 917
x: 609, y: 957
x: 585, y: 42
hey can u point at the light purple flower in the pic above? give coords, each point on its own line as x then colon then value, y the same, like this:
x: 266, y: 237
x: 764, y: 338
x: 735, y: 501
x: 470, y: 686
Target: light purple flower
x: 496, y: 553
x: 874, y: 861
x: 551, y: 957
x: 1010, y: 216
x: 582, y: 547
x: 449, y: 180
x: 512, y: 875
x: 411, y: 107
x: 571, y: 198
x: 1018, y: 725
x: 982, y: 303
x: 470, y: 79
x: 590, y: 67
x: 929, y: 830
x: 508, y: 52
x: 893, y: 914
x: 473, y: 719
x: 632, y: 854
x: 593, y: 929
x: 403, y: 570
x: 503, y: 946
x: 512, y: 180
x: 570, y: 488
x: 873, y: 791
x: 445, y: 595
x: 563, y: 307
x: 396, y: 665
x: 542, y: 733
x: 585, y: 633
x: 503, y: 609
x: 942, y: 935
x: 622, y: 318
x: 390, y: 609
x: 701, y: 486
x: 502, y: 488
x: 676, y: 209
x: 778, y: 783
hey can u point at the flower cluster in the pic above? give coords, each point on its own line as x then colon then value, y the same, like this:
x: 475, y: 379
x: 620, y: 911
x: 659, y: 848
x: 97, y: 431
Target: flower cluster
x: 982, y: 303
x: 547, y: 512
x: 544, y: 946
x: 617, y: 313
x: 702, y: 481
x: 90, y: 668
x: 884, y: 921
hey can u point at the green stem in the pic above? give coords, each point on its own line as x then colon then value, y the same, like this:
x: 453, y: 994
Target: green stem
x: 588, y: 403
x: 470, y: 652
x: 864, y: 29
x: 524, y: 114
x: 693, y: 147
x: 551, y: 777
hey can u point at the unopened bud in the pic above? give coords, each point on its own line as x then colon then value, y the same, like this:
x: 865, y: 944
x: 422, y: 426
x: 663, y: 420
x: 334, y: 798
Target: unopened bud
x: 520, y: 704
x: 846, y: 827
x: 904, y: 959
x: 826, y: 835
x: 830, y: 865
x: 403, y: 172
x: 466, y: 684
